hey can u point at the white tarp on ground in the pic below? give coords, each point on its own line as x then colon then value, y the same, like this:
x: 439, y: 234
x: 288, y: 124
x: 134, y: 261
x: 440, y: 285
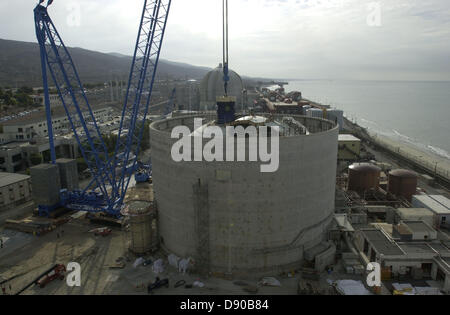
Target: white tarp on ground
x: 183, y: 265
x: 173, y: 260
x: 138, y: 262
x: 270, y: 281
x: 198, y: 284
x: 352, y: 287
x: 158, y: 266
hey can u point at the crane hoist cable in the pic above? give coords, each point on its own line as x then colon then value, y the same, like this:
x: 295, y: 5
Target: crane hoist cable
x: 226, y: 77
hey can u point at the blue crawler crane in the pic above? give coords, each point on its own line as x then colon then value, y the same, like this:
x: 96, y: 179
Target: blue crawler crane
x: 111, y: 175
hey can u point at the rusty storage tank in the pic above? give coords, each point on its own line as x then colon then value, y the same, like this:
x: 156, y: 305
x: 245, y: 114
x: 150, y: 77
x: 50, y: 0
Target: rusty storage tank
x: 363, y: 177
x: 403, y: 183
x: 142, y: 219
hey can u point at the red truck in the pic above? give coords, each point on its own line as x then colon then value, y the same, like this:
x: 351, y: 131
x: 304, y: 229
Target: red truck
x: 57, y: 272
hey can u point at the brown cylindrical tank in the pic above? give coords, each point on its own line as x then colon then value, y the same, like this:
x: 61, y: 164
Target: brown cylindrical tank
x: 142, y: 217
x: 403, y: 183
x: 363, y: 177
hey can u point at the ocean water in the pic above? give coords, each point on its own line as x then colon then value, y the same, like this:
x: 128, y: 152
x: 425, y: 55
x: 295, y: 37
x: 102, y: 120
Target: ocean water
x: 414, y: 112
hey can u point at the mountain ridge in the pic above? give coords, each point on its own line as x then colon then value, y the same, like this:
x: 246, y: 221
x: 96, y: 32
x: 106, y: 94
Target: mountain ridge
x: 20, y: 64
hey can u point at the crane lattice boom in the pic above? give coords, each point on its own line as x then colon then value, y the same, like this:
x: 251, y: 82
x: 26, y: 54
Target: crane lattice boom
x: 111, y: 174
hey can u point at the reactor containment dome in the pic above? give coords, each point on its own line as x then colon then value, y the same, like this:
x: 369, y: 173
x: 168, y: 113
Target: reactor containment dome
x: 211, y: 87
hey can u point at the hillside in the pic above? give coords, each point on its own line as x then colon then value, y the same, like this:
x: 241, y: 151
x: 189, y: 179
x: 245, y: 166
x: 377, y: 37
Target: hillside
x: 20, y: 65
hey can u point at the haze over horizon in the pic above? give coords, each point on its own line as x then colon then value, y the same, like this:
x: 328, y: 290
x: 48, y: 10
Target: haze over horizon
x: 315, y: 39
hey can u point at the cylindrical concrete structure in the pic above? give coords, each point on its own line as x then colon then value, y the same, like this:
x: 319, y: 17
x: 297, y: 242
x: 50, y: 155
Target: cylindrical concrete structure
x: 233, y: 219
x: 363, y: 177
x: 403, y: 183
x: 142, y: 227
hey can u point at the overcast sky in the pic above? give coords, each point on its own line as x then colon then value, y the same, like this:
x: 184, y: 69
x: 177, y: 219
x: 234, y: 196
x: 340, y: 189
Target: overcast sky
x: 332, y: 39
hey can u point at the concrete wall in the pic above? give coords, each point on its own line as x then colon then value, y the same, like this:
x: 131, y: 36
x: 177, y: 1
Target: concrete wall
x: 325, y: 259
x: 256, y: 221
x: 68, y: 171
x: 349, y: 150
x: 15, y: 194
x: 11, y: 160
x: 46, y: 184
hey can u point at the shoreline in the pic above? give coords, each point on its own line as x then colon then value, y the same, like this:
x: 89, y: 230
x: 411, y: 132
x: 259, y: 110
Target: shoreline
x: 427, y: 162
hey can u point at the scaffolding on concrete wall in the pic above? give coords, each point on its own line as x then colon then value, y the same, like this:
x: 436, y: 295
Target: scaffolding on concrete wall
x: 201, y: 207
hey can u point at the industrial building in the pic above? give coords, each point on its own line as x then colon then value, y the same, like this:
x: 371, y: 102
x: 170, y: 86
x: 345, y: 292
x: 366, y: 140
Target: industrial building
x: 28, y: 127
x: 16, y: 156
x: 407, y: 251
x: 15, y: 189
x: 233, y: 219
x: 415, y: 214
x: 438, y: 204
x: 349, y: 148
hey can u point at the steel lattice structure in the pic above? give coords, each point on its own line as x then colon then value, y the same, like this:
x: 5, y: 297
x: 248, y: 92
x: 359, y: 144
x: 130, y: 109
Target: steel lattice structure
x: 111, y: 174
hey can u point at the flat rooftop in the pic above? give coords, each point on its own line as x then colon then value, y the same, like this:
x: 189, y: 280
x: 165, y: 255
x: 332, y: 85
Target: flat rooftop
x: 411, y: 249
x: 348, y: 138
x: 433, y: 249
x: 58, y: 112
x: 419, y: 226
x: 7, y: 179
x: 442, y: 200
x: 12, y: 145
x: 381, y: 243
x: 414, y: 212
x: 437, y: 204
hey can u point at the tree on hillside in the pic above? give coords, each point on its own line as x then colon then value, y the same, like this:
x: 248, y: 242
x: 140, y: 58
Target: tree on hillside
x: 23, y: 99
x: 25, y: 90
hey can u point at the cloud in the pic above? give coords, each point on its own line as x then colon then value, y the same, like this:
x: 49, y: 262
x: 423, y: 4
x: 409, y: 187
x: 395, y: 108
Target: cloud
x: 269, y: 38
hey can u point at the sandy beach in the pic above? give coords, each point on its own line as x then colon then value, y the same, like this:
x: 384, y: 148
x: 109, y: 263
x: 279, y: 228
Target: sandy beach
x: 432, y: 162
x: 435, y: 164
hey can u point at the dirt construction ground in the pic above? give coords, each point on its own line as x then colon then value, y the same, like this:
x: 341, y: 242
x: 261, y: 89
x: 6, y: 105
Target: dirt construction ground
x: 28, y: 256
x: 25, y: 257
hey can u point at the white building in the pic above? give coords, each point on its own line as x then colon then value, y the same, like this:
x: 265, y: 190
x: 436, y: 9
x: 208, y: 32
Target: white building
x: 35, y: 124
x: 15, y: 189
x: 437, y: 204
x: 39, y: 99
